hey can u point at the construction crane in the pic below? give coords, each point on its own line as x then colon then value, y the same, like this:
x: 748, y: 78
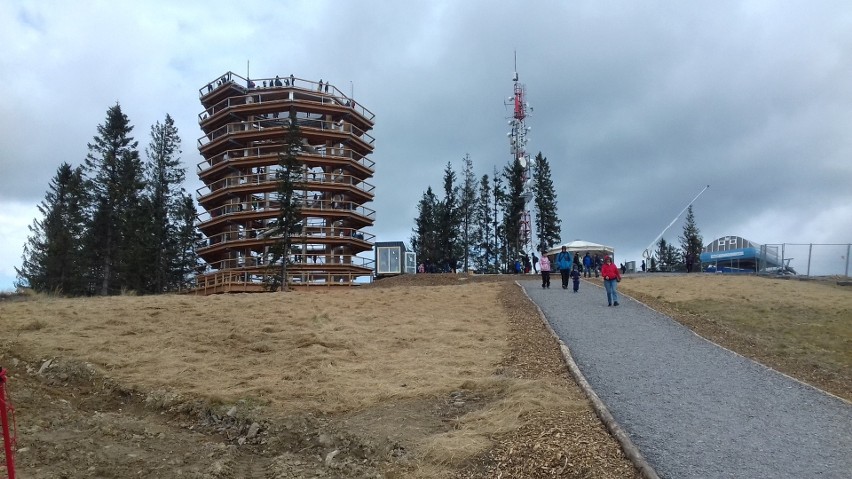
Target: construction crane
x: 647, y: 253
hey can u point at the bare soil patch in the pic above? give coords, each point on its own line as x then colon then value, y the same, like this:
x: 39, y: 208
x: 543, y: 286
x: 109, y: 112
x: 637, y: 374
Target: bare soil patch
x: 426, y: 376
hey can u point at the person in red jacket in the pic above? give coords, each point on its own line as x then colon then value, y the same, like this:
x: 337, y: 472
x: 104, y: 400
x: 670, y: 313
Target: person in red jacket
x: 611, y: 277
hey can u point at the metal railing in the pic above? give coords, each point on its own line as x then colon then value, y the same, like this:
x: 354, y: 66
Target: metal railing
x: 806, y: 259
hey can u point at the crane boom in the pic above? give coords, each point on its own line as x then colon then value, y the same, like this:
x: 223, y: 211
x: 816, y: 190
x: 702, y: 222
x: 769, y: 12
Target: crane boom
x: 647, y: 253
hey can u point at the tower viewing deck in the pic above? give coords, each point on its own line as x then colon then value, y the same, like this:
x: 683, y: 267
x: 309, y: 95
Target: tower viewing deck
x: 244, y: 124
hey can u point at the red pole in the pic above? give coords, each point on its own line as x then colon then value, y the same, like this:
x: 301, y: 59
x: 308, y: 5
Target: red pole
x: 4, y: 417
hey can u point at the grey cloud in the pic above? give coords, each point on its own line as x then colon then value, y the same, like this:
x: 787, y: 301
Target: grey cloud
x: 636, y: 106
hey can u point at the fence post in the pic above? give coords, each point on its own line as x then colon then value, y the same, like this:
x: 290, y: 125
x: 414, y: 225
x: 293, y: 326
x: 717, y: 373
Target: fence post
x: 848, y: 247
x: 4, y: 418
x: 783, y: 264
x: 810, y: 250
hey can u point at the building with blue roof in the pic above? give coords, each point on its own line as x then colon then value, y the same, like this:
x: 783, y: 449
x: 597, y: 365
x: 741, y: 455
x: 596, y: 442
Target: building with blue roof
x: 735, y: 254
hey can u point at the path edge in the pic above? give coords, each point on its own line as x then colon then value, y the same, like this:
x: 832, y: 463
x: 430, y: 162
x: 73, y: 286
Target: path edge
x: 627, y: 446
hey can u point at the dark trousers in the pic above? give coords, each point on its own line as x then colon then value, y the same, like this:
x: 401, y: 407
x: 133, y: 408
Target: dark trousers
x: 566, y: 277
x: 545, y: 279
x: 576, y: 285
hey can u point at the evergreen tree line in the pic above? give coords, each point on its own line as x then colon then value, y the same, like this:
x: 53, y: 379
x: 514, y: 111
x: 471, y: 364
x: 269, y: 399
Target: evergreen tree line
x: 115, y: 223
x: 476, y: 225
x: 667, y: 257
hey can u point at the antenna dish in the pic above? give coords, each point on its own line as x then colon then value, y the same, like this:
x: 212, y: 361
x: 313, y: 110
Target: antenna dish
x: 523, y: 161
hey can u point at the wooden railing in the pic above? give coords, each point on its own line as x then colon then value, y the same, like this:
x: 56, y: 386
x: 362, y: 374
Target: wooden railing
x: 328, y: 94
x: 235, y: 282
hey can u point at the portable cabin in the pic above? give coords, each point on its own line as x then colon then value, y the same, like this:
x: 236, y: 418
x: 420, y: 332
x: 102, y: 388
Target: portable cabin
x: 392, y: 258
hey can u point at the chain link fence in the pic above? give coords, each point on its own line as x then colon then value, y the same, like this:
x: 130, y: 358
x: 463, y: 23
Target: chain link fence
x: 805, y: 259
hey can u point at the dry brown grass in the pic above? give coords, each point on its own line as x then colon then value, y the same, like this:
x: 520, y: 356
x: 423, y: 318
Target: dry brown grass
x: 802, y: 328
x: 457, y: 369
x: 322, y: 352
x: 442, y: 369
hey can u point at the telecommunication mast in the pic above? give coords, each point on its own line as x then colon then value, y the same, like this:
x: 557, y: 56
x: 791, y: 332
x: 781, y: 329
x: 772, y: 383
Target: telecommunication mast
x: 517, y: 147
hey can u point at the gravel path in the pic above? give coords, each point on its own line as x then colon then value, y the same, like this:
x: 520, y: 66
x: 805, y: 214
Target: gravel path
x: 694, y: 409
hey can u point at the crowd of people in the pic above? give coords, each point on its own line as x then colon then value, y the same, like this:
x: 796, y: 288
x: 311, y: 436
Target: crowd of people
x: 570, y: 267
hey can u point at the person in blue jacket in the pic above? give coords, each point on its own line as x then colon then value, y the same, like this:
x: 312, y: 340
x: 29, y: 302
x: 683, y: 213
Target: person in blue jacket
x: 564, y: 261
x: 575, y: 277
x: 587, y: 266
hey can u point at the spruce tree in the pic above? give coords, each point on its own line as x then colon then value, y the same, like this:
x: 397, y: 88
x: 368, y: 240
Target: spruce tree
x: 673, y: 258
x: 114, y: 182
x: 182, y: 267
x: 289, y: 178
x: 500, y: 256
x: 484, y: 231
x: 52, y: 260
x: 165, y: 198
x: 662, y: 254
x: 448, y: 222
x: 547, y: 222
x: 668, y: 258
x: 514, y: 205
x: 424, y: 240
x: 691, y: 242
x: 467, y: 210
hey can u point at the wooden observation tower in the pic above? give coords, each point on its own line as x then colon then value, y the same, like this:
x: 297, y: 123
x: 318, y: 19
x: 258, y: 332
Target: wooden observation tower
x: 245, y: 123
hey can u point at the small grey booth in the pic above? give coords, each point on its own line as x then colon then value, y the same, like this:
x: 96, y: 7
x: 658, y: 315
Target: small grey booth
x: 392, y: 258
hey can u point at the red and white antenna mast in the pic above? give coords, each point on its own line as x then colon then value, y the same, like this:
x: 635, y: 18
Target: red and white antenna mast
x: 518, y: 148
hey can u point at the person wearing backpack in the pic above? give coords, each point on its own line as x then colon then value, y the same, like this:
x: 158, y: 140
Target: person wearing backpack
x: 564, y: 261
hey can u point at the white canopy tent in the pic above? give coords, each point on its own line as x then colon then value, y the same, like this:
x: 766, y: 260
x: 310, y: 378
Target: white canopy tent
x: 581, y: 247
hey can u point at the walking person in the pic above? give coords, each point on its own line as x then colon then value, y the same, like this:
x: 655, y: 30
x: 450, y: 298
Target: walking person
x: 544, y: 267
x: 611, y: 277
x: 690, y: 260
x: 564, y: 262
x: 587, y: 266
x: 575, y: 277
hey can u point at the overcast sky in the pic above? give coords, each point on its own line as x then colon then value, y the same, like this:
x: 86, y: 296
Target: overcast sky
x: 636, y: 105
